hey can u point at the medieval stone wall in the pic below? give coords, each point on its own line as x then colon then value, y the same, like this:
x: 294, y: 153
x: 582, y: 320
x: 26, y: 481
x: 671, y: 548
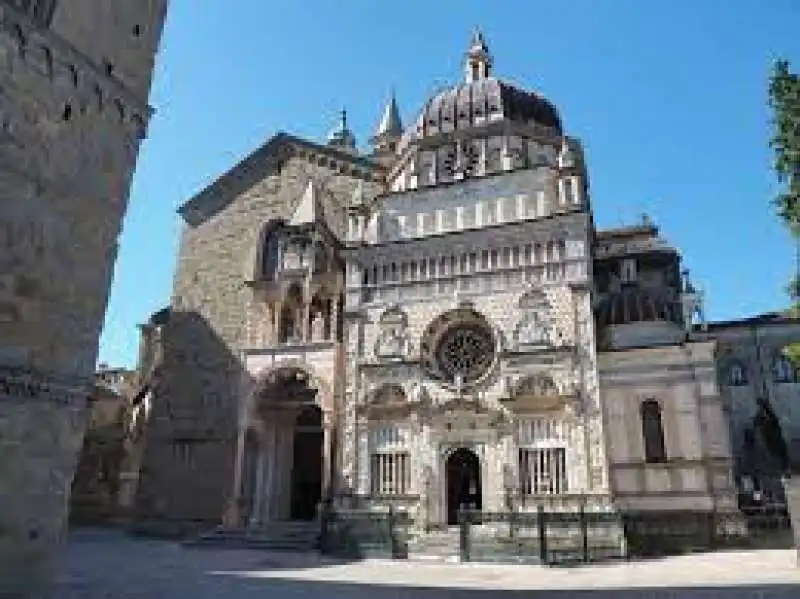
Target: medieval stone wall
x: 69, y: 138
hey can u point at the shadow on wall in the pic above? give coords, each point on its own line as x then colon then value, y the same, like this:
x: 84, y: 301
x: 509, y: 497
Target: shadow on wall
x: 189, y: 449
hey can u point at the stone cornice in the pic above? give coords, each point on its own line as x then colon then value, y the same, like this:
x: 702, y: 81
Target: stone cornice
x: 265, y: 160
x: 566, y: 224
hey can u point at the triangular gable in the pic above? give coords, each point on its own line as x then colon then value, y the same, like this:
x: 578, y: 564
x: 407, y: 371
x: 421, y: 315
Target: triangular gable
x: 254, y: 168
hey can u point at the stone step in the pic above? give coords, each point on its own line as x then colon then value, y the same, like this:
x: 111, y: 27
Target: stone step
x: 280, y: 536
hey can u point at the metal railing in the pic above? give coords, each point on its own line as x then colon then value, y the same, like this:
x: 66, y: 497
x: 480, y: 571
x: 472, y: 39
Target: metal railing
x: 558, y: 537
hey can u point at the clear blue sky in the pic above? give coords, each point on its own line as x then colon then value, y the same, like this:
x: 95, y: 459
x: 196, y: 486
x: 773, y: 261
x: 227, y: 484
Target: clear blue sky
x: 669, y: 99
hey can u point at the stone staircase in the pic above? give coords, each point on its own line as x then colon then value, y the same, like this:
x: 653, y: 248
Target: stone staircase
x: 275, y: 536
x: 437, y: 545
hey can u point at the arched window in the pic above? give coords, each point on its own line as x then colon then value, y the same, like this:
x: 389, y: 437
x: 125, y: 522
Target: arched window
x: 783, y: 370
x: 270, y: 251
x: 653, y: 432
x: 737, y: 374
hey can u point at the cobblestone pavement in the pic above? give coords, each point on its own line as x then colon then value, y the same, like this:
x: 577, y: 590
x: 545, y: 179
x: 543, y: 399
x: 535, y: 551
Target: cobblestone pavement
x: 99, y: 564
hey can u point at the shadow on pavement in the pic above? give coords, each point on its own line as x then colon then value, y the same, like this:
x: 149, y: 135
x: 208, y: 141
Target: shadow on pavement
x: 100, y: 564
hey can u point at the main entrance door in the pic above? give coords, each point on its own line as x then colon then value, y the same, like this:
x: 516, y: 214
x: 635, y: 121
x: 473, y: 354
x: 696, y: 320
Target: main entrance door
x: 307, y: 464
x: 463, y: 474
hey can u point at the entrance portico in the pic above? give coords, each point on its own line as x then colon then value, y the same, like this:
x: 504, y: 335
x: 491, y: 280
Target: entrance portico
x: 283, y: 456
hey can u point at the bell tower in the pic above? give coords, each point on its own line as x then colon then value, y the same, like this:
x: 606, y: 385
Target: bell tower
x: 75, y: 110
x: 120, y: 37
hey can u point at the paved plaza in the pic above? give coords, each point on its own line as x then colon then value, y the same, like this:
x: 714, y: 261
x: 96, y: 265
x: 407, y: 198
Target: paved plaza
x: 101, y: 564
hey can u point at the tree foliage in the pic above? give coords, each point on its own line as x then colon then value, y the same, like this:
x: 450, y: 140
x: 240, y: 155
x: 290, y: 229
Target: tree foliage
x: 784, y: 99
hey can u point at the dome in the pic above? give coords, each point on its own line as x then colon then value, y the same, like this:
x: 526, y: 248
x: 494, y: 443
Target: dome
x: 479, y: 103
x: 636, y: 304
x: 481, y: 100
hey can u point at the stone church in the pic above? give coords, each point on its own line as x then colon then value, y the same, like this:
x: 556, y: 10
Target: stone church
x: 437, y: 323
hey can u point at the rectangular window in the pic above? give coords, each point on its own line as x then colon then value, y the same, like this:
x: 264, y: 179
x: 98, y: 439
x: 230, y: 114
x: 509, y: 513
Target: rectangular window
x: 628, y: 272
x: 390, y: 473
x: 543, y: 471
x: 655, y: 451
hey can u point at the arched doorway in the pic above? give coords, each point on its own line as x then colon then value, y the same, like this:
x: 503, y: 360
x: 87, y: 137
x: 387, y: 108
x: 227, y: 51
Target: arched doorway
x: 463, y: 476
x: 307, y: 458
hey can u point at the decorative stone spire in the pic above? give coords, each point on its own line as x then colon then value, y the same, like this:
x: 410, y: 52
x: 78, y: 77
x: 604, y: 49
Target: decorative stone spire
x: 479, y: 59
x: 310, y: 209
x: 342, y: 137
x: 390, y: 127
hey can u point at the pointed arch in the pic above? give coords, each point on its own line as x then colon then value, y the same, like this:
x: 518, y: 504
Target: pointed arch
x: 264, y: 259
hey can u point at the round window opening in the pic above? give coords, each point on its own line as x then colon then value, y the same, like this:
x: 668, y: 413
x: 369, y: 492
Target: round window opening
x: 465, y: 352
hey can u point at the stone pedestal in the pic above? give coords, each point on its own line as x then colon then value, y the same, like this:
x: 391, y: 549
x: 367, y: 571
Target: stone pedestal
x: 791, y: 487
x: 41, y: 430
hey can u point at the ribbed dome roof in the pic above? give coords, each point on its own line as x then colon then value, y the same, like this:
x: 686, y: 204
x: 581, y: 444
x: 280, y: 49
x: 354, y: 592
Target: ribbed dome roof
x: 638, y: 304
x: 480, y: 100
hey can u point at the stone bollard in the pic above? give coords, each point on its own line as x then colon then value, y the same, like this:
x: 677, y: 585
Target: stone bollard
x: 791, y: 487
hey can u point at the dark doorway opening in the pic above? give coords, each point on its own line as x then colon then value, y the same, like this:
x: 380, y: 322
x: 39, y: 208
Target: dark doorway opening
x: 307, y: 464
x: 463, y: 483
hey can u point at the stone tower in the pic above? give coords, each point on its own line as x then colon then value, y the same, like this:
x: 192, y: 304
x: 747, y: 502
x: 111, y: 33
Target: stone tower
x: 75, y: 79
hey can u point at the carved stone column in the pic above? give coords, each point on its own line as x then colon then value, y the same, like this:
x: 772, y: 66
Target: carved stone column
x: 334, y: 320
x: 271, y: 466
x: 306, y: 320
x: 327, y: 453
x: 258, y: 500
x: 232, y: 516
x: 362, y: 456
x: 277, y: 310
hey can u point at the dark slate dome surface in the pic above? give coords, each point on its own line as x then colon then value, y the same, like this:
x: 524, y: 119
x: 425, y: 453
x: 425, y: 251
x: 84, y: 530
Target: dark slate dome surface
x: 480, y: 102
x: 638, y: 304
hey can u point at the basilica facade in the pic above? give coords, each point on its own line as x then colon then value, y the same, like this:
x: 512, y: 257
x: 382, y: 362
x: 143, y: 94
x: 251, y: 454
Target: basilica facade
x: 438, y: 324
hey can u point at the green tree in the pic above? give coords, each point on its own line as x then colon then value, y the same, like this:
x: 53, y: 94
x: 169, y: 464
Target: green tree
x: 784, y: 100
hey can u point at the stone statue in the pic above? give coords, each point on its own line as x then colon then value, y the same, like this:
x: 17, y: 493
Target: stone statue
x: 318, y: 327
x: 532, y: 330
x: 392, y: 343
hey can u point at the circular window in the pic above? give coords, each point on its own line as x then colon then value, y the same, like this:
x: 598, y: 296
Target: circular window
x: 458, y: 347
x: 465, y: 352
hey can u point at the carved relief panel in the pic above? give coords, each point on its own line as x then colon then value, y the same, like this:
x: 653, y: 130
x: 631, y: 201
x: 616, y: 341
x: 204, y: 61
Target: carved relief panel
x: 535, y: 328
x: 394, y: 342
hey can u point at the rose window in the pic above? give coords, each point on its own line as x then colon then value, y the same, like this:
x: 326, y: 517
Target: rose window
x: 459, y: 347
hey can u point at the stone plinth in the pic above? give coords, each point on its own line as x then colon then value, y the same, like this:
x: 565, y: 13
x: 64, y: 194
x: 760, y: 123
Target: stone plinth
x: 791, y: 486
x: 41, y: 426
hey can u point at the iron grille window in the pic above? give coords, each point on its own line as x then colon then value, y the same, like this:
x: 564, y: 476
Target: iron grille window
x: 543, y: 471
x: 390, y: 473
